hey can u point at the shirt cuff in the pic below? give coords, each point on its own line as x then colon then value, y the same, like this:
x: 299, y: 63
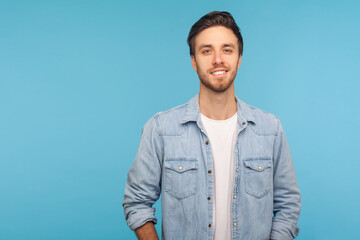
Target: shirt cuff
x: 141, y: 217
x: 282, y: 230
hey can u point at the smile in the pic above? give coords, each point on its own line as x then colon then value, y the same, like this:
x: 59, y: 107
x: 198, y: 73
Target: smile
x: 219, y: 73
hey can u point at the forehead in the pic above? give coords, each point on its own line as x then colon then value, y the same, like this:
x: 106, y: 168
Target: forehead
x: 217, y: 35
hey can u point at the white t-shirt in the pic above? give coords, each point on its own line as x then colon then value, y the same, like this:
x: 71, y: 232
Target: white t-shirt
x: 222, y: 134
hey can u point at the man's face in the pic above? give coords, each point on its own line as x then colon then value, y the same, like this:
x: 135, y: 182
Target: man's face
x: 216, y: 58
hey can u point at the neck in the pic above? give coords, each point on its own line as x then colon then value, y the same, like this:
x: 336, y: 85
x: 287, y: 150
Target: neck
x: 217, y: 106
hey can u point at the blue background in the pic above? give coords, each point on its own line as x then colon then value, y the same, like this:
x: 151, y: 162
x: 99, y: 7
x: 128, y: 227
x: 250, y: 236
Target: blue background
x: 79, y: 79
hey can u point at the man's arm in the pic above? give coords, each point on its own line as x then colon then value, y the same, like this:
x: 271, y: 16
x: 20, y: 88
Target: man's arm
x: 142, y: 187
x: 147, y: 232
x: 286, y: 191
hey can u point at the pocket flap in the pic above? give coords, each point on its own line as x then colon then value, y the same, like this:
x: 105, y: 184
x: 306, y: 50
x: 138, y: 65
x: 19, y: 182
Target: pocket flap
x: 258, y: 165
x: 180, y: 165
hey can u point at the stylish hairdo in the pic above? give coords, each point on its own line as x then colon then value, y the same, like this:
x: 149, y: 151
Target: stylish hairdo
x: 212, y: 19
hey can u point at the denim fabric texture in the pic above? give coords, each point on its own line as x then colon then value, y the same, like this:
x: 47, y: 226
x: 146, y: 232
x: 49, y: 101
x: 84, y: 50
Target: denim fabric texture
x: 175, y: 159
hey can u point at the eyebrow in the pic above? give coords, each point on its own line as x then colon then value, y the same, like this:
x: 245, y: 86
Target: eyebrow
x: 229, y: 45
x: 224, y: 45
x: 204, y: 46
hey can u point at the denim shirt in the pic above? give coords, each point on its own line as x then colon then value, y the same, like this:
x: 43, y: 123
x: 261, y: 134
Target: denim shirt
x: 175, y: 159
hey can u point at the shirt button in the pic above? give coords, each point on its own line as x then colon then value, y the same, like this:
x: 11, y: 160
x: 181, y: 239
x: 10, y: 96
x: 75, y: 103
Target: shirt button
x: 209, y: 225
x: 180, y: 168
x: 243, y: 123
x: 209, y: 198
x: 209, y: 172
x: 237, y: 170
x: 234, y: 224
x: 259, y: 167
x: 207, y: 142
x: 235, y: 196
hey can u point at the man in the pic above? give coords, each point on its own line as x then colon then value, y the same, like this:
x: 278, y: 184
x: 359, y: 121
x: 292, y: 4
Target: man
x: 222, y: 167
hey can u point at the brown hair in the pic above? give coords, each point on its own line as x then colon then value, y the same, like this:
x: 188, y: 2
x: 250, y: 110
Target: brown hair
x: 212, y: 19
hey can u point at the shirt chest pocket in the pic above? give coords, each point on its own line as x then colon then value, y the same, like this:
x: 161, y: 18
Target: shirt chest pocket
x: 180, y: 176
x: 258, y: 176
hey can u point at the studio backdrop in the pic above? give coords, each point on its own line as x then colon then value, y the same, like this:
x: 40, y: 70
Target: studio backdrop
x: 79, y: 79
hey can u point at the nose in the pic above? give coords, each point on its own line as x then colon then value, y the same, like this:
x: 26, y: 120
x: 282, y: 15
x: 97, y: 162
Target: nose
x: 218, y: 58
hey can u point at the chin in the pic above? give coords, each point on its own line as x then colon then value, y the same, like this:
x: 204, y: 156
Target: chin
x: 221, y: 88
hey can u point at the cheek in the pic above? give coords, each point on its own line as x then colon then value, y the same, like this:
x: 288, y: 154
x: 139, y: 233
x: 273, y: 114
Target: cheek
x: 202, y: 65
x: 234, y: 63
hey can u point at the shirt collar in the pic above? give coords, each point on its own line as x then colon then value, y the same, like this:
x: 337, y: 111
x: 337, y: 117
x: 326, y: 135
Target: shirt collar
x: 192, y: 111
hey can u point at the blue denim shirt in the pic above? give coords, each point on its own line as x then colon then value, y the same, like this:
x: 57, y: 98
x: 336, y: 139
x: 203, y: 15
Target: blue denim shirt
x: 175, y: 159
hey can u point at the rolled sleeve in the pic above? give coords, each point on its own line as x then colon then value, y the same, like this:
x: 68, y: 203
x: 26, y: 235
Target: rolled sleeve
x: 283, y: 230
x: 140, y: 218
x: 287, y: 200
x: 142, y: 187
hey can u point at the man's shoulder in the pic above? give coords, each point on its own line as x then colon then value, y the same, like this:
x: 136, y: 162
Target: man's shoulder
x: 257, y: 112
x: 170, y: 122
x: 175, y: 113
x: 178, y: 110
x: 263, y: 122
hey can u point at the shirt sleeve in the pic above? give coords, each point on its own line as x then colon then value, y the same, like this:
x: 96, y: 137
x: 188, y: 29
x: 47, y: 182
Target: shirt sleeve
x: 142, y: 187
x: 287, y: 201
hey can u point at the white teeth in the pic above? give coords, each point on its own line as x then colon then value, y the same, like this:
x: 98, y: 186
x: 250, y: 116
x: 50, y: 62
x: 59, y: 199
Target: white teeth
x: 218, y: 72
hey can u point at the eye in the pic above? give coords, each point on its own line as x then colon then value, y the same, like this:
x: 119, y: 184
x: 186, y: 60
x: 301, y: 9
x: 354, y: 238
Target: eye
x: 228, y: 50
x: 206, y: 51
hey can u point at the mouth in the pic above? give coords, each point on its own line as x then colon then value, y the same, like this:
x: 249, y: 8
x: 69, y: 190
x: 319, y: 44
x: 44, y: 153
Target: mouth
x: 219, y: 72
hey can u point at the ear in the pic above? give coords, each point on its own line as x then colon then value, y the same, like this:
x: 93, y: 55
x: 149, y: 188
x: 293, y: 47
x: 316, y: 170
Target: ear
x: 239, y: 62
x: 193, y: 63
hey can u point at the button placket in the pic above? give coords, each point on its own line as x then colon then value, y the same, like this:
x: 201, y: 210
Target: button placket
x: 207, y: 142
x: 236, y: 177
